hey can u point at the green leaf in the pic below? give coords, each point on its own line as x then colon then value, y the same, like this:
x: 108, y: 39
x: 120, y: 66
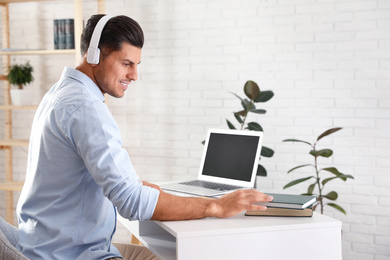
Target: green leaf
x: 258, y: 111
x: 238, y: 117
x: 261, y: 171
x: 296, y: 140
x: 306, y: 194
x: 300, y: 166
x: 344, y: 177
x: 230, y: 125
x: 254, y: 126
x: 337, y: 207
x: 242, y: 113
x: 264, y: 96
x: 340, y: 175
x: 297, y: 182
x: 266, y: 152
x: 328, y: 132
x: 332, y: 170
x: 331, y: 195
x: 323, y: 153
x: 247, y: 105
x: 328, y: 180
x: 252, y: 90
x: 310, y: 189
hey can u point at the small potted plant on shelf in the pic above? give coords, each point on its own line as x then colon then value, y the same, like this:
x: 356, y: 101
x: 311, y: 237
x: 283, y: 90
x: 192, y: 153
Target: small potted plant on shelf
x: 20, y: 75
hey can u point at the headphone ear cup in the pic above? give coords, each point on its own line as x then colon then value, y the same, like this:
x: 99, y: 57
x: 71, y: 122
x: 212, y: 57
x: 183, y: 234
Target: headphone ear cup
x: 93, y: 55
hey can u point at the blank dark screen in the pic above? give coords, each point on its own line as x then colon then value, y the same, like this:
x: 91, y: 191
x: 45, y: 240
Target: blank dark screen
x: 230, y: 156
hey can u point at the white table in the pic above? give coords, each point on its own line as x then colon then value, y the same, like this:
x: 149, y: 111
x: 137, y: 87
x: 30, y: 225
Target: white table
x: 242, y: 237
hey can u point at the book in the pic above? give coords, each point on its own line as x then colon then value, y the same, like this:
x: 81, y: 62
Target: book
x: 69, y: 34
x: 281, y: 212
x: 63, y: 32
x: 56, y: 28
x: 61, y: 41
x: 289, y: 201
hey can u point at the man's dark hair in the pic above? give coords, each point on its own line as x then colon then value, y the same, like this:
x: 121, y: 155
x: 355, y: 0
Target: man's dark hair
x: 118, y: 29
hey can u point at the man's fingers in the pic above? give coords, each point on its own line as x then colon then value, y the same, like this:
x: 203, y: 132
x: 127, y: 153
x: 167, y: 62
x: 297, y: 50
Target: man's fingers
x: 256, y: 207
x: 254, y: 196
x: 257, y: 196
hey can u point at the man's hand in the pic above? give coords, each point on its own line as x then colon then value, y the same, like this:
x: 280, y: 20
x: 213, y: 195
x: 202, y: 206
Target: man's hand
x: 170, y: 207
x: 238, y: 201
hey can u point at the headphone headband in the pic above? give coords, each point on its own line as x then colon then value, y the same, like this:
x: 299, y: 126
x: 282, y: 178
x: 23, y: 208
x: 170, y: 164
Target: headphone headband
x: 93, y: 54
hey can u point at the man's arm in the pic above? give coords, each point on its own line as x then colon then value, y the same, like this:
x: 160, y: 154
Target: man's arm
x: 170, y: 207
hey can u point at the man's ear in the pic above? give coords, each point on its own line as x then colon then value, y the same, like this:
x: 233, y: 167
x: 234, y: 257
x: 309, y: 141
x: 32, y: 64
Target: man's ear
x: 85, y: 60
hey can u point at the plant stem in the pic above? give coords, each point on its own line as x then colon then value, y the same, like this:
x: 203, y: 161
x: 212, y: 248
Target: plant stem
x: 246, y: 114
x: 318, y: 182
x: 243, y: 121
x: 319, y: 186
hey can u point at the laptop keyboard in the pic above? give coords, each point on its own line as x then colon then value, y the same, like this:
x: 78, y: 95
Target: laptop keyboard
x: 211, y: 185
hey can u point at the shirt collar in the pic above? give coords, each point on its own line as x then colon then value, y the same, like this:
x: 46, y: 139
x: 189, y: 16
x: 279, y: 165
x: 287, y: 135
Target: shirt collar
x: 85, y: 80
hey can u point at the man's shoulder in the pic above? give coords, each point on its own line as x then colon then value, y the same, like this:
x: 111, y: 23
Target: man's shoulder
x: 70, y: 95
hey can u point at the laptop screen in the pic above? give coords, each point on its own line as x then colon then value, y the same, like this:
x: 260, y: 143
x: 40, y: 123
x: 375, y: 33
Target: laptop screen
x: 231, y: 156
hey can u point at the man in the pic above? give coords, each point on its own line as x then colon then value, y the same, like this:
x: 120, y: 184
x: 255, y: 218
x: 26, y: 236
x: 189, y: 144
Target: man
x: 78, y: 174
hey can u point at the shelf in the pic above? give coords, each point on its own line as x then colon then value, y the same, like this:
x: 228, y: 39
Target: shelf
x: 10, y: 107
x: 36, y: 52
x: 19, y: 1
x: 11, y: 186
x: 13, y: 142
x: 7, y: 52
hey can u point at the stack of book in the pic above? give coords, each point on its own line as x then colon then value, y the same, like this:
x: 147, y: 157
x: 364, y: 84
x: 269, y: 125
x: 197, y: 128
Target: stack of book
x: 64, y: 34
x: 287, y: 205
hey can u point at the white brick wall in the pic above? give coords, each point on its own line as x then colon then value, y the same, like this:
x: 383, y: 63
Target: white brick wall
x: 328, y: 63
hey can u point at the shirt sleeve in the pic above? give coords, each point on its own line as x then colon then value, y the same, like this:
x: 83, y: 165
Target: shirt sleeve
x: 95, y: 136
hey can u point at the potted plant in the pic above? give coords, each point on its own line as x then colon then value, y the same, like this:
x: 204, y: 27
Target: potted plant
x: 254, y: 95
x: 20, y: 75
x: 322, y: 176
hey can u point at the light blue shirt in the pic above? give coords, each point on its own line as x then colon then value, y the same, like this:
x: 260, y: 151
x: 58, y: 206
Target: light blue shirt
x: 77, y: 173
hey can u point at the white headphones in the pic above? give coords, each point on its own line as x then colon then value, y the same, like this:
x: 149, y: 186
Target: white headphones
x: 93, y: 54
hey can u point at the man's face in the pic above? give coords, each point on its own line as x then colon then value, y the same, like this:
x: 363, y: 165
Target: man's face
x: 115, y: 71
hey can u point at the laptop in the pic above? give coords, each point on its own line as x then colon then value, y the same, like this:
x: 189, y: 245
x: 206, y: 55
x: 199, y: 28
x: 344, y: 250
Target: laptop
x: 229, y: 162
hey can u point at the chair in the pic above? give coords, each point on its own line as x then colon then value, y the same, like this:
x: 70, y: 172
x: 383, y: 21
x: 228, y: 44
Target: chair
x: 8, y: 241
